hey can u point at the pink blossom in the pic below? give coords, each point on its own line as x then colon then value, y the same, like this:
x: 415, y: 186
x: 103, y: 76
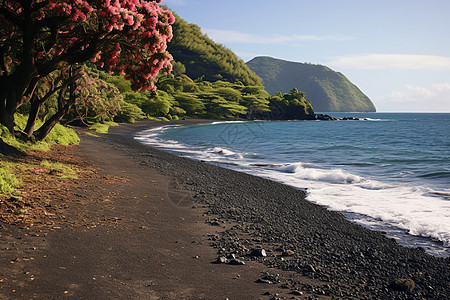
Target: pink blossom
x: 138, y: 22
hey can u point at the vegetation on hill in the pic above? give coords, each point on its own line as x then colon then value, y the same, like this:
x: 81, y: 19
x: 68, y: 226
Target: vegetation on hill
x: 289, y: 106
x: 203, y: 58
x: 326, y: 89
x: 180, y: 96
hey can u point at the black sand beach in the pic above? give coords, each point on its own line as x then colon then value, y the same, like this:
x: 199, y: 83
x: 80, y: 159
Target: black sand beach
x: 311, y: 252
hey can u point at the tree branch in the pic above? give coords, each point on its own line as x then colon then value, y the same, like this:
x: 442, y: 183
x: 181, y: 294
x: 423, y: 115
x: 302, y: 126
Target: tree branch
x: 39, y: 5
x: 48, y: 22
x: 11, y: 16
x: 2, y: 59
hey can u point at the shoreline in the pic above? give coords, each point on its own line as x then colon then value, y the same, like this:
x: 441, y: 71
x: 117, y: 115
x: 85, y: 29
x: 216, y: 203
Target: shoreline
x: 432, y: 246
x: 153, y: 229
x: 277, y: 210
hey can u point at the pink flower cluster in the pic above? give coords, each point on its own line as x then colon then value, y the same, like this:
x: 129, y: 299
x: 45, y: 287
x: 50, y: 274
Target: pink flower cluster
x: 121, y: 36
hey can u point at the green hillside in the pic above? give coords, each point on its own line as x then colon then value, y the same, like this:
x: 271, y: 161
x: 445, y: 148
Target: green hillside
x: 326, y: 89
x: 203, y: 58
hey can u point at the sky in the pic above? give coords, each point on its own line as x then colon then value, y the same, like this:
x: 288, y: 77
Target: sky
x: 396, y: 51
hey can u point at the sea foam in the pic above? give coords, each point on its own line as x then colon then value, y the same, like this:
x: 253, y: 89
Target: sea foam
x: 399, y: 204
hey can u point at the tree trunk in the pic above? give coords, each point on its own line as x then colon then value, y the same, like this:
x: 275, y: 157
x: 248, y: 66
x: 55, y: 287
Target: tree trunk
x: 14, y: 91
x: 6, y: 118
x: 32, y: 117
x: 8, y: 150
x: 45, y: 129
x: 8, y: 101
x: 18, y: 87
x: 36, y: 104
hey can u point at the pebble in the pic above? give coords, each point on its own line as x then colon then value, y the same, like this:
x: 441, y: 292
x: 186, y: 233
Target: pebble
x: 258, y: 253
x: 296, y: 293
x: 236, y: 262
x: 221, y: 260
x: 288, y: 253
x: 402, y: 284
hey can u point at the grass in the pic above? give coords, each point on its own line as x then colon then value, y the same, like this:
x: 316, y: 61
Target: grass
x: 92, y: 134
x: 8, y: 180
x: 102, y: 127
x: 56, y: 168
x: 157, y: 118
x: 59, y: 135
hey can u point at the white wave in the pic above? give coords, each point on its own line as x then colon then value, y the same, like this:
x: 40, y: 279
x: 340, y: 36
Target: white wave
x: 228, y: 122
x: 376, y: 120
x: 291, y: 168
x: 214, y: 154
x: 335, y: 176
x: 418, y: 210
x: 226, y: 152
x: 155, y: 130
x: 407, y: 207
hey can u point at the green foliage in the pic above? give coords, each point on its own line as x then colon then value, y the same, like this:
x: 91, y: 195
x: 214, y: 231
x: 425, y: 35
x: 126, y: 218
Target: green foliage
x: 98, y: 100
x: 62, y: 135
x: 178, y: 68
x: 159, y: 107
x: 203, y: 58
x: 119, y: 82
x: 218, y: 107
x: 255, y: 104
x: 229, y: 94
x: 328, y: 90
x: 129, y: 113
x: 290, y: 106
x: 102, y: 127
x: 177, y: 111
x: 8, y: 180
x: 190, y: 103
x: 59, y: 135
x: 137, y: 99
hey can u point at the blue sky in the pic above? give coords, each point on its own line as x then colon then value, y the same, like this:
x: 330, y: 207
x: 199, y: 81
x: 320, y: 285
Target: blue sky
x: 397, y: 52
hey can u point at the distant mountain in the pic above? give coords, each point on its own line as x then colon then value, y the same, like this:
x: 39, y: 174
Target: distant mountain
x: 205, y: 59
x: 328, y: 91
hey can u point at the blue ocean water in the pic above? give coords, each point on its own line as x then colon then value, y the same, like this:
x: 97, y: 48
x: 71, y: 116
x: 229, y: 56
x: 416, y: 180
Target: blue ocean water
x: 387, y: 171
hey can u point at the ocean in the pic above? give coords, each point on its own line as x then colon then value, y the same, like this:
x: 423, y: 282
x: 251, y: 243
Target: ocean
x: 388, y: 171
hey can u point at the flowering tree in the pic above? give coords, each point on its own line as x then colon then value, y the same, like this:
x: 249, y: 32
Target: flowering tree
x: 39, y: 37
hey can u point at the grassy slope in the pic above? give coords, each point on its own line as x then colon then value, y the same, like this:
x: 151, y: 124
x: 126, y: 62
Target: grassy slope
x: 10, y: 171
x: 202, y: 57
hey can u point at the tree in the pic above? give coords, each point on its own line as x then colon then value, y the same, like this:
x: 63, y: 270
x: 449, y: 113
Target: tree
x: 64, y: 84
x: 189, y: 103
x: 39, y: 37
x: 229, y: 94
x: 96, y: 100
x: 218, y: 107
x: 255, y: 105
x: 291, y: 106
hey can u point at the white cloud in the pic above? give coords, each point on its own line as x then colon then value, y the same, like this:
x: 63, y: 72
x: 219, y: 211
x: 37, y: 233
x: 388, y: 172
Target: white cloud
x: 434, y: 98
x: 230, y: 36
x: 392, y: 61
